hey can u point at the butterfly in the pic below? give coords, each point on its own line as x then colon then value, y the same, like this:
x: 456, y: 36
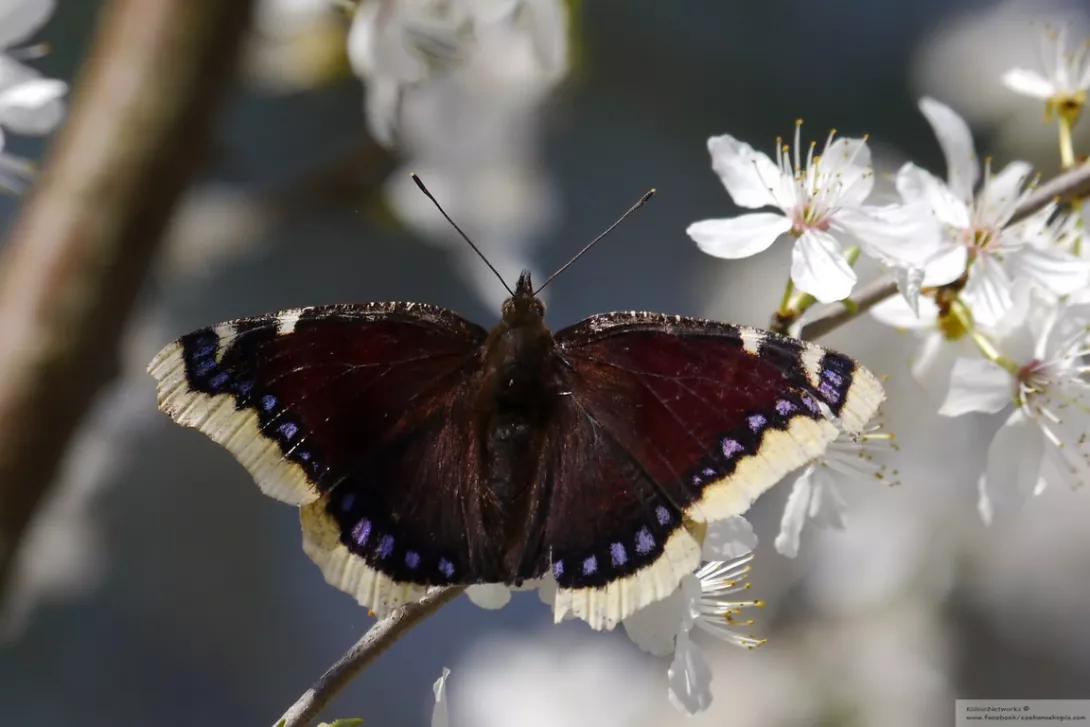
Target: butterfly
x: 424, y: 450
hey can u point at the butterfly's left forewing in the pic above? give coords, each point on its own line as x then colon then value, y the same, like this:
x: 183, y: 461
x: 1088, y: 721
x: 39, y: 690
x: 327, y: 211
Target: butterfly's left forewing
x: 705, y: 415
x: 363, y: 416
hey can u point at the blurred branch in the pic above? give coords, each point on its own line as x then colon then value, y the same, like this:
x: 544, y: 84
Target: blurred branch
x: 139, y: 128
x: 377, y: 639
x: 1066, y: 187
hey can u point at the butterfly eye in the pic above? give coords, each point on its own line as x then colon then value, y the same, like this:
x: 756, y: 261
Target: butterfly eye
x: 539, y: 307
x: 508, y: 308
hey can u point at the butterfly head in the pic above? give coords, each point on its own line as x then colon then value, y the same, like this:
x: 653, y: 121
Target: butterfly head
x: 523, y: 306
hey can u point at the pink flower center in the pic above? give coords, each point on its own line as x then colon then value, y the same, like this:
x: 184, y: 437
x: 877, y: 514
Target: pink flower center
x: 808, y: 217
x: 977, y: 237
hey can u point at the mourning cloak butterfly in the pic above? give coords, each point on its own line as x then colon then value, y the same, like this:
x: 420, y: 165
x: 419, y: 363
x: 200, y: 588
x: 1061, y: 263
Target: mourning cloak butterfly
x: 424, y: 450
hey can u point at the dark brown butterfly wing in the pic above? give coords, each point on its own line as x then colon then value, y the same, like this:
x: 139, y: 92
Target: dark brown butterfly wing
x: 361, y: 415
x: 668, y: 421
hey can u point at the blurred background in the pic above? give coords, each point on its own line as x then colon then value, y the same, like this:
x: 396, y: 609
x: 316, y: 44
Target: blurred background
x: 158, y: 586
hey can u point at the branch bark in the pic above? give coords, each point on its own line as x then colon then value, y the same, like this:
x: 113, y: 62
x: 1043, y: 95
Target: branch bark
x: 139, y: 127
x: 377, y: 639
x: 1066, y: 187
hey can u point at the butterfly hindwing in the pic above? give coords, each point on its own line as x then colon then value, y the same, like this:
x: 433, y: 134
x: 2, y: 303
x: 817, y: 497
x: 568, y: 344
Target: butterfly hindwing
x: 334, y: 409
x: 703, y: 416
x: 612, y: 540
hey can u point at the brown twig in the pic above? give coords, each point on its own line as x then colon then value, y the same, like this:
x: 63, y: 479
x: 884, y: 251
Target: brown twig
x: 140, y: 125
x: 377, y: 639
x: 871, y: 295
x: 1071, y: 185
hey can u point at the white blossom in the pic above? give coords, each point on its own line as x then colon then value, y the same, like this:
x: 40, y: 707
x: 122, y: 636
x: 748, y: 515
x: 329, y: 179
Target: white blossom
x: 458, y: 86
x: 706, y: 600
x: 821, y: 201
x: 816, y: 494
x: 977, y: 235
x: 1066, y: 74
x: 29, y: 104
x: 1043, y: 384
x: 516, y: 47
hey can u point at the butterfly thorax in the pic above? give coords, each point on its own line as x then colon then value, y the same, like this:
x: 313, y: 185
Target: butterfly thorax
x: 516, y: 401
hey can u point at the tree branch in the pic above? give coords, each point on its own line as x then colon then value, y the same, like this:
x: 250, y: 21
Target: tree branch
x: 139, y: 127
x: 1066, y: 187
x: 377, y: 639
x: 871, y: 295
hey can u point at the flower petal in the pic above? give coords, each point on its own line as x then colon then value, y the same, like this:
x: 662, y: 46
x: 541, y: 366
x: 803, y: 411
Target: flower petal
x: 654, y: 627
x: 934, y: 360
x: 690, y: 677
x: 915, y: 184
x: 1057, y: 271
x: 794, y: 514
x: 490, y: 596
x: 1028, y: 83
x: 20, y: 19
x: 828, y: 509
x: 360, y: 44
x: 739, y: 237
x: 909, y: 281
x: 383, y: 110
x: 977, y: 385
x: 690, y: 590
x: 439, y: 715
x: 988, y: 291
x: 962, y: 169
x: 729, y: 539
x: 845, y: 166
x: 1069, y: 464
x: 819, y: 268
x: 1000, y: 194
x: 946, y: 266
x: 897, y: 313
x: 749, y: 176
x: 904, y: 235
x: 1014, y: 464
x: 33, y: 107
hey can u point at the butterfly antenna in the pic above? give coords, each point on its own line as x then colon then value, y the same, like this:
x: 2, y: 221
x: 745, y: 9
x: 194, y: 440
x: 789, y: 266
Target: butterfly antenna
x: 596, y: 240
x: 465, y: 237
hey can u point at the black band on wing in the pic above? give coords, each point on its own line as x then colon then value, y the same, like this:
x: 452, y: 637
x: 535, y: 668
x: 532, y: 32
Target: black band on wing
x: 837, y: 376
x: 234, y: 374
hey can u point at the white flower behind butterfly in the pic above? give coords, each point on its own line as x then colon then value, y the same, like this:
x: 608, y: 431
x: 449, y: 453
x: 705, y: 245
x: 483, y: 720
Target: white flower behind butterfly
x: 458, y: 87
x: 707, y: 600
x: 816, y: 494
x: 512, y: 48
x: 822, y: 205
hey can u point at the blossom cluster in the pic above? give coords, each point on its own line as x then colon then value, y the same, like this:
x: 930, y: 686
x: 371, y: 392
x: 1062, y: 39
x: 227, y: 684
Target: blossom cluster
x: 995, y: 283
